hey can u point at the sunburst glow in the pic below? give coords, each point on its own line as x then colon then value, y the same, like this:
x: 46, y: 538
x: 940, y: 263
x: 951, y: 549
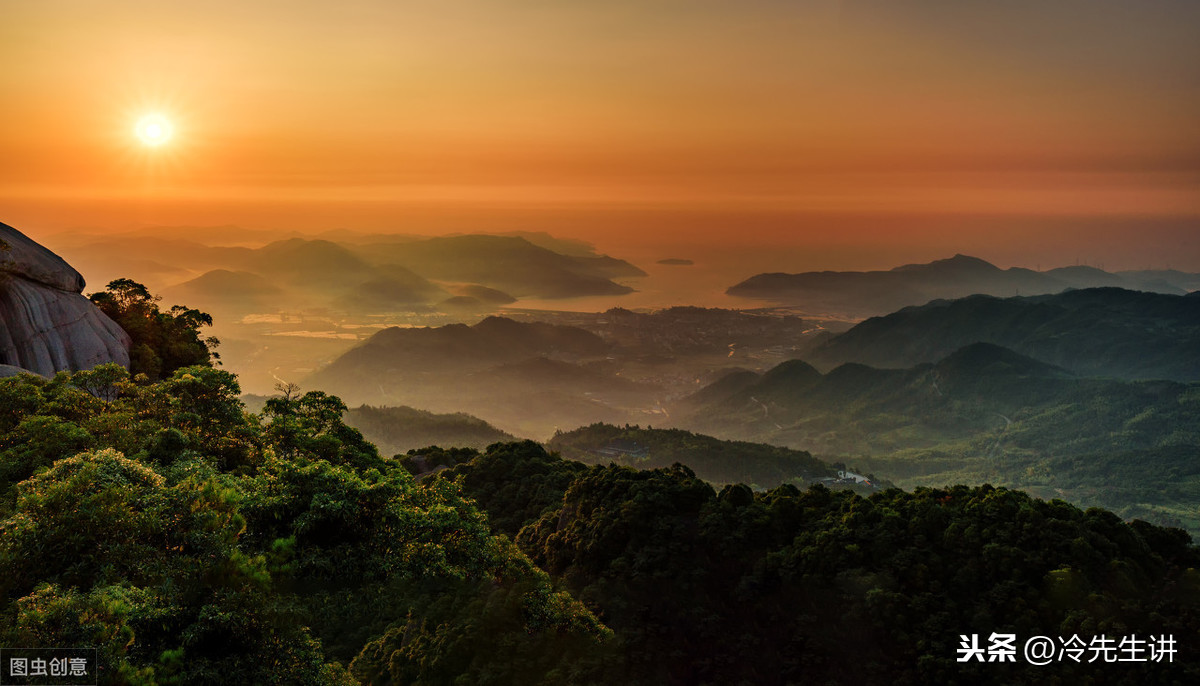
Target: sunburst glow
x: 154, y: 130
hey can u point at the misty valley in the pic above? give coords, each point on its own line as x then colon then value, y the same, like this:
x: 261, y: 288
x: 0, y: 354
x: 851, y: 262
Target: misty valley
x: 691, y: 343
x: 415, y: 458
x: 954, y: 371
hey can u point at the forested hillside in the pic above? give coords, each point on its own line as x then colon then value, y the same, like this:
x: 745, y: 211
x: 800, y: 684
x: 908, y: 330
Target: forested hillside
x: 720, y: 462
x: 190, y: 542
x: 703, y: 586
x: 983, y: 414
x: 1094, y: 332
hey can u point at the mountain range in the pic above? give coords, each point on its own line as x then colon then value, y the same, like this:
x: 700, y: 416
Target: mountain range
x: 869, y: 293
x: 527, y: 378
x: 573, y: 368
x: 982, y: 414
x: 1093, y: 332
x: 378, y: 274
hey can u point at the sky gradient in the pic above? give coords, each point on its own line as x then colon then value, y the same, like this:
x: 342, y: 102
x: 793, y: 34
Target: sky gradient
x: 943, y: 126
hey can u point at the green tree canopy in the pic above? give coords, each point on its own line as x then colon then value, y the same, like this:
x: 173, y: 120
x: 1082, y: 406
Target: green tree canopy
x: 193, y: 542
x: 161, y: 341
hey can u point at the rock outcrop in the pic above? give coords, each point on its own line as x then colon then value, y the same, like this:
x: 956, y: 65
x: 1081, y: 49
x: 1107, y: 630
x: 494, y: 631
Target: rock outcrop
x: 46, y: 324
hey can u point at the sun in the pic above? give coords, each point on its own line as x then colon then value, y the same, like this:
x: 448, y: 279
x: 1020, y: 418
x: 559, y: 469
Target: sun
x: 154, y: 130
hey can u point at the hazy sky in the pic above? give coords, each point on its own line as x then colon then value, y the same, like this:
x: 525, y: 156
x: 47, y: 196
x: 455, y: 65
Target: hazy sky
x: 936, y: 126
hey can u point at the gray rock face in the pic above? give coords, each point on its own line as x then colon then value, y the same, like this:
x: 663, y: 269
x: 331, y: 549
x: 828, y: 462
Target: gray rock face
x: 9, y: 370
x: 46, y: 325
x: 26, y: 258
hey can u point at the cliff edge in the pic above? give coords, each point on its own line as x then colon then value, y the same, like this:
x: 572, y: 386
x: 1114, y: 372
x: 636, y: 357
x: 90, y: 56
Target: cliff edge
x: 46, y: 324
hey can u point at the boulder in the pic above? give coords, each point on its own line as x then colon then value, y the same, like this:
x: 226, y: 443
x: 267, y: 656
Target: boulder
x: 46, y: 324
x: 9, y: 370
x: 25, y: 258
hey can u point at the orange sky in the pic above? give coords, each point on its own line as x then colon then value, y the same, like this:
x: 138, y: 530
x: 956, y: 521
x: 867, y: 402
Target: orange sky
x: 483, y: 114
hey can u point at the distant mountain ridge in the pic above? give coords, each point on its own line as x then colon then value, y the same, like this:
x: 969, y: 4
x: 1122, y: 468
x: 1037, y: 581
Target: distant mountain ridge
x: 523, y: 377
x: 712, y: 459
x: 878, y: 292
x: 511, y: 264
x: 561, y: 369
x: 396, y: 430
x: 378, y: 274
x: 981, y: 413
x: 1093, y: 332
x: 793, y: 397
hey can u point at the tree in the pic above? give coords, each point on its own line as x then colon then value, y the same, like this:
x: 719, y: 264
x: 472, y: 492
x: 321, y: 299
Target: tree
x: 161, y: 341
x: 310, y: 426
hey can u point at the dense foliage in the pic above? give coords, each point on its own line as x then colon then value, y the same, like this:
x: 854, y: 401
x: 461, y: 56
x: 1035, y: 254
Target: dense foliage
x: 819, y: 586
x: 194, y: 543
x: 514, y: 483
x: 162, y: 341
